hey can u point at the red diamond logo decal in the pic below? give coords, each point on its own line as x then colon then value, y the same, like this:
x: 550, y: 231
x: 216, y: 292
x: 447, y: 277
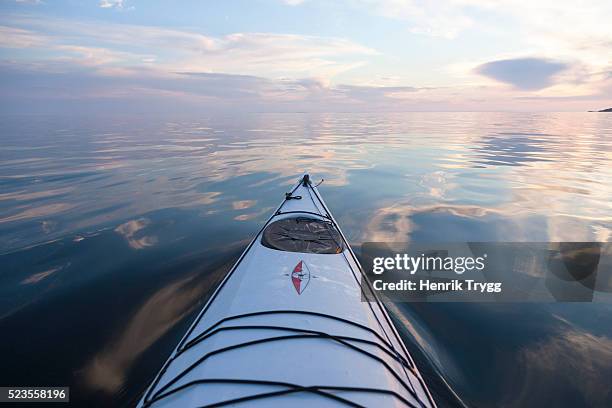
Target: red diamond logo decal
x: 300, y: 277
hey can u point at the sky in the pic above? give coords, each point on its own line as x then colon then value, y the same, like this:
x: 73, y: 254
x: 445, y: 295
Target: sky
x: 62, y: 56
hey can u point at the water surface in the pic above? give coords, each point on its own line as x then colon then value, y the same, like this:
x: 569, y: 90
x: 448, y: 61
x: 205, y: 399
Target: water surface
x: 114, y: 230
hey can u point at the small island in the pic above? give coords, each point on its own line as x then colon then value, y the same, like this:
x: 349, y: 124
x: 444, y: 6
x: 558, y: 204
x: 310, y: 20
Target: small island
x: 603, y: 110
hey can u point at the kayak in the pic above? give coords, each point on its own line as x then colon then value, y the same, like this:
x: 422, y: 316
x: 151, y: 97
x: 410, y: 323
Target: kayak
x: 288, y: 326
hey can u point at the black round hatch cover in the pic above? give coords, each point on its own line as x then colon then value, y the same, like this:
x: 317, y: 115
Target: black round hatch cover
x: 303, y: 234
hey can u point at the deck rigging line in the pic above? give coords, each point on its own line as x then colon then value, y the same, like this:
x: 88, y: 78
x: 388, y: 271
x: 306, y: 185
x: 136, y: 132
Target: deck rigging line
x: 318, y: 335
x: 317, y: 389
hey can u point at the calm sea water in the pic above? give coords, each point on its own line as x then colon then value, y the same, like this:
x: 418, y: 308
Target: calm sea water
x: 115, y: 230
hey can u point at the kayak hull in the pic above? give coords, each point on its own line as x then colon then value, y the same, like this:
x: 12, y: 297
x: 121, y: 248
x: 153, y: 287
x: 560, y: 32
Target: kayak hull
x: 290, y: 329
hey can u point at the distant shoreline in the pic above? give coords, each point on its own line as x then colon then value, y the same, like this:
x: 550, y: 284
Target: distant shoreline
x: 603, y: 110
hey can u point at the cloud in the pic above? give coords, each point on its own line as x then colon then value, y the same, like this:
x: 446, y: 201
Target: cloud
x: 523, y: 73
x: 540, y: 21
x: 11, y: 37
x: 274, y: 55
x: 371, y: 93
x: 97, y: 78
x: 88, y: 56
x: 260, y: 54
x: 293, y: 2
x: 61, y: 80
x: 116, y: 4
x: 444, y: 19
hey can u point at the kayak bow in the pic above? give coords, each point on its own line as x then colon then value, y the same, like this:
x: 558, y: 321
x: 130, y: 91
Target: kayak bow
x: 288, y: 327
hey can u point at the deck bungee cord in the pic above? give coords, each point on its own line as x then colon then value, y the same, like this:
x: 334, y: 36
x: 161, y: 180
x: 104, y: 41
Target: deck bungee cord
x: 302, y: 334
x: 318, y: 389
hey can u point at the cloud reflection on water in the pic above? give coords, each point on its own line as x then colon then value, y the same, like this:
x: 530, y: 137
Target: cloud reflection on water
x: 130, y: 229
x: 585, y: 361
x: 107, y: 370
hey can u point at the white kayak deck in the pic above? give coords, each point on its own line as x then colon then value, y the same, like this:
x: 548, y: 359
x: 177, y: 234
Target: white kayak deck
x: 263, y: 340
